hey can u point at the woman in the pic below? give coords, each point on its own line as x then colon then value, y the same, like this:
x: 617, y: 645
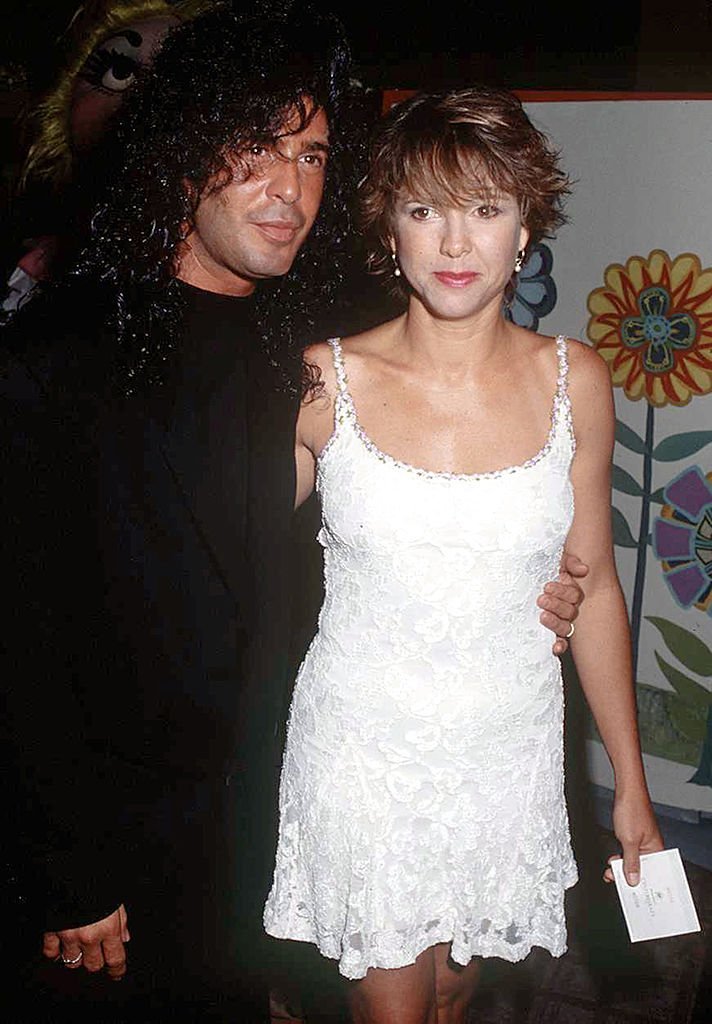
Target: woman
x: 422, y: 815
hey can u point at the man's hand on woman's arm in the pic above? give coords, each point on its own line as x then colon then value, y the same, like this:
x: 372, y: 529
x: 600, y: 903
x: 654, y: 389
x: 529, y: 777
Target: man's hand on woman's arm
x: 561, y: 599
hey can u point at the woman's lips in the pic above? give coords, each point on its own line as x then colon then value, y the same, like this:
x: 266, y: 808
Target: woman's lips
x: 455, y: 280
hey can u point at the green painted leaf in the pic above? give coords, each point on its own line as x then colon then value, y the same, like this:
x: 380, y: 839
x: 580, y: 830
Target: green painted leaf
x: 658, y: 497
x: 658, y: 735
x: 621, y: 531
x: 687, y: 648
x: 679, y: 446
x: 629, y: 439
x: 623, y: 481
x: 688, y: 721
x: 689, y: 690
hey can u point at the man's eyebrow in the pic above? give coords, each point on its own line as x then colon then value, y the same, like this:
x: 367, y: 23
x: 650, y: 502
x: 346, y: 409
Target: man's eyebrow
x: 316, y: 147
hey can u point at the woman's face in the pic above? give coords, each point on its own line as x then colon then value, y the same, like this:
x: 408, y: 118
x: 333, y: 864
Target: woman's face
x: 458, y: 260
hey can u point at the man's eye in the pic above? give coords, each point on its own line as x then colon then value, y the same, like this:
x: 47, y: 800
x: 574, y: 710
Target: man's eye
x: 313, y: 162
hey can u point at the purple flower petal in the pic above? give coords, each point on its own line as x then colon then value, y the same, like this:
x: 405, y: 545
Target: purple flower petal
x: 673, y: 541
x: 688, y: 584
x: 690, y: 492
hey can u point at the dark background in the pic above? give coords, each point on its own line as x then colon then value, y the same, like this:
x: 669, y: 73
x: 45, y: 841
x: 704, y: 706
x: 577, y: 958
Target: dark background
x: 564, y: 44
x: 638, y: 45
x: 642, y: 45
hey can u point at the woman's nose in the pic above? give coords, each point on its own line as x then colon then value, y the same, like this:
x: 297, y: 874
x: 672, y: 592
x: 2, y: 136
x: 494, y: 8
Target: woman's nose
x: 456, y: 241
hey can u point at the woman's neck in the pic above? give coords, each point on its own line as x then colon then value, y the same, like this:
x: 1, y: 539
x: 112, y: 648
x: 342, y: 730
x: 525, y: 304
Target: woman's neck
x: 454, y: 346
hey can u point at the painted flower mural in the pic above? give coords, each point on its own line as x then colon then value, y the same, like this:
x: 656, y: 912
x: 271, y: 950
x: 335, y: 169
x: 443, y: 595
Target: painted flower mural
x: 682, y: 539
x: 652, y: 323
x: 535, y: 294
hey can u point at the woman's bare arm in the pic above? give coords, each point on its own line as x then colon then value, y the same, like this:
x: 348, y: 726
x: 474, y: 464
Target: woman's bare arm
x: 601, y: 646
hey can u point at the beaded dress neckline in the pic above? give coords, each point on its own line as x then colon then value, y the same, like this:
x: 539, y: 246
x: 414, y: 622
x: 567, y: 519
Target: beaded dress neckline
x: 345, y: 414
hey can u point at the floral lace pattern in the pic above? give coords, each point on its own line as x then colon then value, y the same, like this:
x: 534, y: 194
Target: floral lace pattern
x: 422, y: 786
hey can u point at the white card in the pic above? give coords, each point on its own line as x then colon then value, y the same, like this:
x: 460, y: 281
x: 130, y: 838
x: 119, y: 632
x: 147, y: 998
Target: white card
x: 661, y: 904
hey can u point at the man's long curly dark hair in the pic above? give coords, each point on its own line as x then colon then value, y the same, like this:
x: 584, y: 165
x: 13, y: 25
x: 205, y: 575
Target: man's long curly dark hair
x: 219, y: 83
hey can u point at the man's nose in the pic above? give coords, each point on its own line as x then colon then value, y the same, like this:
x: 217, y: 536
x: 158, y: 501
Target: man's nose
x: 284, y: 182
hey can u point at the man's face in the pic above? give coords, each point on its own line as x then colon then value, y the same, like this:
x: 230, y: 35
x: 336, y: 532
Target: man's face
x: 253, y: 227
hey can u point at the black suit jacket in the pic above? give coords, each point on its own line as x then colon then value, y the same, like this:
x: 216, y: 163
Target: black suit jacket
x: 157, y: 551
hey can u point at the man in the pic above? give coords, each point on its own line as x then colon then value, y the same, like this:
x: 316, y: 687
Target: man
x: 216, y: 254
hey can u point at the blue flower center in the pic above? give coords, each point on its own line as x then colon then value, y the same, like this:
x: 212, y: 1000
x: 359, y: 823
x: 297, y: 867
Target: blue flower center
x: 656, y: 328
x: 659, y: 332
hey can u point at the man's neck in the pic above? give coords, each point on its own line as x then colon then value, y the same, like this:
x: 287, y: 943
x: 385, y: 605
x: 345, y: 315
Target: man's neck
x: 193, y: 272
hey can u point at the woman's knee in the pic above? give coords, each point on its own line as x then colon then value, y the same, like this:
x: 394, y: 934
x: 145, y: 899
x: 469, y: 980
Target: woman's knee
x: 455, y: 984
x: 404, y: 994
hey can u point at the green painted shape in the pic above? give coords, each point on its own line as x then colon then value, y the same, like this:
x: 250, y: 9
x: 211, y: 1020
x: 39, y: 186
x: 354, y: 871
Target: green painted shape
x: 658, y: 496
x: 658, y: 733
x: 692, y: 652
x: 690, y: 722
x: 621, y: 531
x: 626, y: 436
x: 623, y: 481
x: 689, y: 690
x: 680, y: 446
x: 703, y: 775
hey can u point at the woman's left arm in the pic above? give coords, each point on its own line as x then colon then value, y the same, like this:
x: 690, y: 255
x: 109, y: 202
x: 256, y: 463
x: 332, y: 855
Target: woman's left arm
x: 601, y: 646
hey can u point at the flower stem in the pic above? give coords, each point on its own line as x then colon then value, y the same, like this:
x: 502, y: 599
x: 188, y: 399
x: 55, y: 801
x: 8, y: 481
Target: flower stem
x: 639, y: 587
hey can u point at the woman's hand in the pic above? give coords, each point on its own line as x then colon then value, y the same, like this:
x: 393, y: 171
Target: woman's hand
x: 637, y: 831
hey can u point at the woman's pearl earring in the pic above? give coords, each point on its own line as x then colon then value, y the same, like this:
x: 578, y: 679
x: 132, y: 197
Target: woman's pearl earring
x: 396, y: 268
x: 519, y: 262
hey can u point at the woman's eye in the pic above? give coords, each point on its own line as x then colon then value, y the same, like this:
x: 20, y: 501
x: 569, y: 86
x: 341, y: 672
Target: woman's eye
x: 487, y: 211
x: 422, y: 213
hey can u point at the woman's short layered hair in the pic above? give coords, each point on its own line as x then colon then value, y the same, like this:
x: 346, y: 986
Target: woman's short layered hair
x: 455, y: 147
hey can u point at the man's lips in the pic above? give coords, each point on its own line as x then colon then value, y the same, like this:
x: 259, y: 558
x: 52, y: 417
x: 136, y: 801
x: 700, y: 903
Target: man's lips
x: 456, y: 280
x: 279, y: 230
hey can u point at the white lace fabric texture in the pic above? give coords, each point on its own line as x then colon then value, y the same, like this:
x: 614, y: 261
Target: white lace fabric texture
x: 422, y: 786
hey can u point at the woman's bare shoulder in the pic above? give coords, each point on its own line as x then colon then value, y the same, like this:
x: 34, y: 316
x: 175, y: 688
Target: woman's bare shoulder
x: 356, y: 347
x: 587, y: 368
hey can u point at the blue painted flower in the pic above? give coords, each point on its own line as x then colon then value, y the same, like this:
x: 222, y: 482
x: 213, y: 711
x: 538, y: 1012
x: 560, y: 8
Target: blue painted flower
x: 535, y: 294
x: 682, y: 539
x: 659, y: 332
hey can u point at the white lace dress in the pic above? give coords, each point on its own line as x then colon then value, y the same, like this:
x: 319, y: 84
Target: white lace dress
x: 422, y: 786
